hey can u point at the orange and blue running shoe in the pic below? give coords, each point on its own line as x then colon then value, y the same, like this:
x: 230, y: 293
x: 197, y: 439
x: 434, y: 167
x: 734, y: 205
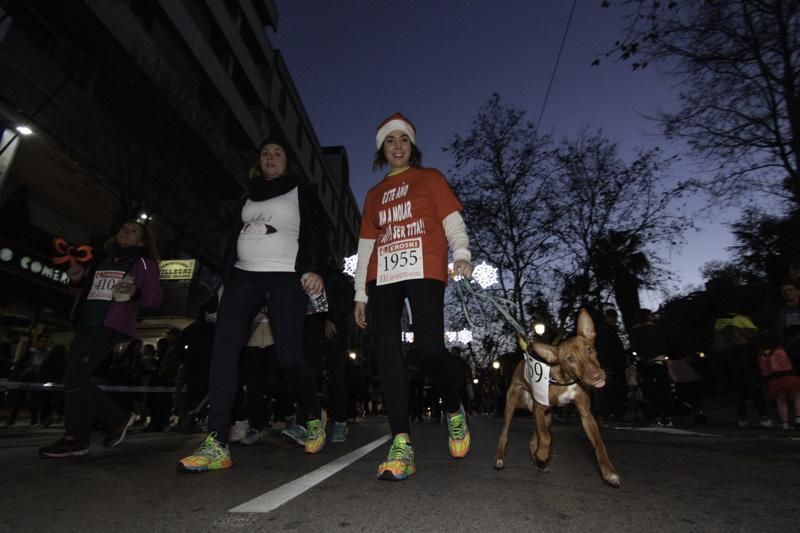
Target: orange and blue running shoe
x: 211, y: 455
x: 315, y: 436
x: 399, y: 463
x: 458, y: 440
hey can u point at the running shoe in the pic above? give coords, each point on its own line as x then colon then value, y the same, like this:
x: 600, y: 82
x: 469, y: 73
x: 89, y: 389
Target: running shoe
x: 118, y: 435
x: 458, y: 440
x: 315, y: 439
x: 211, y: 455
x: 66, y: 446
x: 399, y: 463
x: 296, y: 433
x: 253, y: 436
x: 238, y: 431
x: 339, y: 432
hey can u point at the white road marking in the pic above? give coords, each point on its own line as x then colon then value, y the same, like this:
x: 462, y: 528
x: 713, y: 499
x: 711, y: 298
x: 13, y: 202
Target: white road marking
x: 273, y: 499
x: 673, y: 431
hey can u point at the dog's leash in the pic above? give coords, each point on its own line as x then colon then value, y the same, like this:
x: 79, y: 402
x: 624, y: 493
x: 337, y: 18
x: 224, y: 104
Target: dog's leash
x: 466, y: 289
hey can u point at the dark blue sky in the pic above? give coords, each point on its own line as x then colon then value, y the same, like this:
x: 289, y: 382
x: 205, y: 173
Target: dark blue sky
x: 354, y: 62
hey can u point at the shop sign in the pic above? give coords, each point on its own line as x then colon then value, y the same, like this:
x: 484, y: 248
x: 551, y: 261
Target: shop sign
x: 36, y: 266
x: 177, y: 269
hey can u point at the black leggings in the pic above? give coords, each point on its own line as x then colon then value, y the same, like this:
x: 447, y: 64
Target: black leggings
x: 426, y: 298
x: 245, y: 293
x: 741, y: 372
x: 84, y: 402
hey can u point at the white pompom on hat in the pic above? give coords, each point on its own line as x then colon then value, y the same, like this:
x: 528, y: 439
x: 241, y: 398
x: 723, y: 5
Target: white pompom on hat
x: 394, y: 123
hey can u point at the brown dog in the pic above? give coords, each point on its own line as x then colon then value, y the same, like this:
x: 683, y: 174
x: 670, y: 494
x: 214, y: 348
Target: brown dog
x: 573, y: 365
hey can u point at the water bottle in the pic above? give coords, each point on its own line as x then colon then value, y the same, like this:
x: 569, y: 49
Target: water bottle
x: 317, y: 303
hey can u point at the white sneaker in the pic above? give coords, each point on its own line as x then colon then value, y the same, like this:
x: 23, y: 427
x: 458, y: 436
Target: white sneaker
x: 238, y: 431
x: 253, y: 436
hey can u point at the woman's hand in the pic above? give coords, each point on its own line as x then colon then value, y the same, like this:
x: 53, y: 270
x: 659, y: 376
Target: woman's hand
x: 330, y: 329
x: 463, y: 267
x: 75, y: 273
x: 360, y: 313
x: 312, y: 283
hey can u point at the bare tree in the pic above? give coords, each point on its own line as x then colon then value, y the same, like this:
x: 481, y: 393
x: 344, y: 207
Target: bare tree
x: 738, y: 62
x: 614, y: 216
x: 501, y: 176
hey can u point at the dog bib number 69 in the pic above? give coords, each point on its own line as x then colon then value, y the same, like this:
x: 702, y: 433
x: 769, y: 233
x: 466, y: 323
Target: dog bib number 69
x: 538, y: 376
x: 399, y: 261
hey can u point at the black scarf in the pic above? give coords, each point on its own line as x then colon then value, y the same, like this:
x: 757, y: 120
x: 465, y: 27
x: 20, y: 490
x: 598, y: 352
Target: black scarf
x: 118, y: 252
x: 260, y: 189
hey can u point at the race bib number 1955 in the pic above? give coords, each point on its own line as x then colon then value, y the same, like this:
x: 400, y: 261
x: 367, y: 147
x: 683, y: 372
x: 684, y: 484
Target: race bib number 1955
x: 399, y: 261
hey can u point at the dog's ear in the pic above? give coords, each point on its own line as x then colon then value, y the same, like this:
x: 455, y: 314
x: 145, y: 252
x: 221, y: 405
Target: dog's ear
x: 586, y: 326
x: 546, y: 352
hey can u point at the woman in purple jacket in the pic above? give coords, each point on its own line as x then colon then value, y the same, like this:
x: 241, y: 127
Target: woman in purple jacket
x: 109, y: 296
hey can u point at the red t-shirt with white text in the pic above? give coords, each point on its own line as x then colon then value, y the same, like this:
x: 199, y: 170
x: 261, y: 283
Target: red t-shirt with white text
x: 404, y: 214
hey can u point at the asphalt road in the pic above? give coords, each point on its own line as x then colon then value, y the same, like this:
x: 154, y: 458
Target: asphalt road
x: 705, y: 478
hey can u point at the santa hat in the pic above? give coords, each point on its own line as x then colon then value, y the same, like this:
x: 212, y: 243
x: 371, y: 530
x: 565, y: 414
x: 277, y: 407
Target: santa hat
x: 394, y: 123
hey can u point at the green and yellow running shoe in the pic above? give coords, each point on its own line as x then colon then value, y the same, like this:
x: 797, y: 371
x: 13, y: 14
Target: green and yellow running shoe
x: 399, y: 463
x: 315, y: 436
x: 458, y: 440
x: 211, y: 455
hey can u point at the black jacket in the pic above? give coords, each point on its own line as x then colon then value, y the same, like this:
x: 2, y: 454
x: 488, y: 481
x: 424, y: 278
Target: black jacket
x: 312, y: 254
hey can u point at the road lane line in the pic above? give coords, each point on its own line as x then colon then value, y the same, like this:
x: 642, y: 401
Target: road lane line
x: 273, y: 499
x: 672, y: 431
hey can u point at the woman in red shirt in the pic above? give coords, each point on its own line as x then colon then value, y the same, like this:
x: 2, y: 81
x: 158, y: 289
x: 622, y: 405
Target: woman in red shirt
x: 409, y: 220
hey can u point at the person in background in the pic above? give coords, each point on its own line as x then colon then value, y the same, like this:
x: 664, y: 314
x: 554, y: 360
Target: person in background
x: 783, y: 381
x: 650, y: 346
x: 262, y: 379
x: 613, y: 359
x: 195, y: 356
x: 409, y: 219
x: 464, y: 376
x: 735, y: 353
x: 160, y: 403
x: 789, y: 320
x: 337, y: 334
x: 276, y: 257
x: 110, y: 294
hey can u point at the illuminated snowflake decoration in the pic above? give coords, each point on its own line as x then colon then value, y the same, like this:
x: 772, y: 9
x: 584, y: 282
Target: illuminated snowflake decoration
x: 485, y: 274
x: 464, y: 336
x: 350, y: 264
x: 408, y: 336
